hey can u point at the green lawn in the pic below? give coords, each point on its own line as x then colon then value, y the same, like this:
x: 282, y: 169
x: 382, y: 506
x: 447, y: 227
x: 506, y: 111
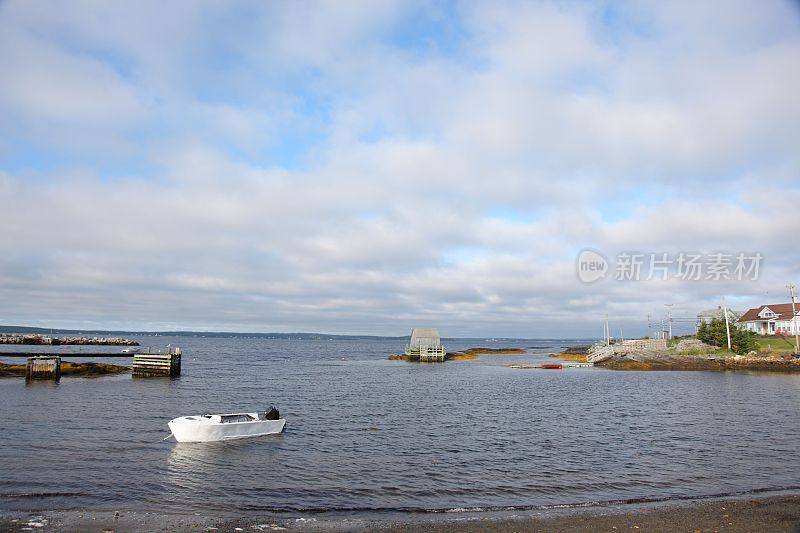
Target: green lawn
x: 778, y: 344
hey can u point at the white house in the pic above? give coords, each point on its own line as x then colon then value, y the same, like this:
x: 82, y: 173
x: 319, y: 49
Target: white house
x: 775, y: 319
x: 709, y: 314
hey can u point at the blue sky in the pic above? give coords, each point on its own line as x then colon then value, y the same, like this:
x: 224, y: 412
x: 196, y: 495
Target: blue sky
x: 363, y: 167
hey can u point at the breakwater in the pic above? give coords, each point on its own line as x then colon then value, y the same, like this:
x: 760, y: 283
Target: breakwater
x: 46, y: 340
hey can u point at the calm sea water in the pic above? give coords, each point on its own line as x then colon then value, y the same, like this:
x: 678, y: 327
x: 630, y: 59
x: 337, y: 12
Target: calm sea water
x: 368, y: 435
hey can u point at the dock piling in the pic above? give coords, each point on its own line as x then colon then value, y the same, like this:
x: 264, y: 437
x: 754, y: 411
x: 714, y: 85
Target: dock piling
x: 158, y: 364
x: 43, y: 367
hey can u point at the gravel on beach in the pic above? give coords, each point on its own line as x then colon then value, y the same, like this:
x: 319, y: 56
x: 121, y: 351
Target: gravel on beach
x: 776, y: 513
x: 768, y: 514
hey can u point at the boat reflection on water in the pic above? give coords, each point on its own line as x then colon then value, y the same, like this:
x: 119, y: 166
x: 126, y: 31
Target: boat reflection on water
x: 193, y: 468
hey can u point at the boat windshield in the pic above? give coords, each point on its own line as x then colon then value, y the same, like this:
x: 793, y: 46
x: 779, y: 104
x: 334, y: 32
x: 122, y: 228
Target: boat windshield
x: 227, y: 419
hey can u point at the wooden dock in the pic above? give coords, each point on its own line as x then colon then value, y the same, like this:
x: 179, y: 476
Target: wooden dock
x: 64, y: 354
x: 47, y: 365
x: 157, y: 364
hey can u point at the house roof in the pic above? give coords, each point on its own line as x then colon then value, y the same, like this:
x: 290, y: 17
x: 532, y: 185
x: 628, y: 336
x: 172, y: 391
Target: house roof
x: 717, y: 313
x: 784, y: 312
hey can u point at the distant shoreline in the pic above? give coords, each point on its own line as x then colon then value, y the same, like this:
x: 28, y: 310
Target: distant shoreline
x: 276, y: 335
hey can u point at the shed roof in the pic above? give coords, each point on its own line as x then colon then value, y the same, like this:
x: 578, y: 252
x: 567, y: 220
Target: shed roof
x: 425, y: 337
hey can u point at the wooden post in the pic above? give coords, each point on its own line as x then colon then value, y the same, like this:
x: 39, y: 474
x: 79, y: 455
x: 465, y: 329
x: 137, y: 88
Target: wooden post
x: 175, y: 363
x: 43, y: 368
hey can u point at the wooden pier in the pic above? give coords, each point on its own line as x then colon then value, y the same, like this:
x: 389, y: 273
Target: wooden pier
x: 157, y: 364
x: 48, y: 367
x: 64, y: 354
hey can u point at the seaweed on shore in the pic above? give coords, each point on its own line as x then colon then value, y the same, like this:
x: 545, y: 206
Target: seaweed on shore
x: 83, y: 370
x: 662, y: 362
x: 580, y: 358
x: 469, y: 354
x: 474, y: 353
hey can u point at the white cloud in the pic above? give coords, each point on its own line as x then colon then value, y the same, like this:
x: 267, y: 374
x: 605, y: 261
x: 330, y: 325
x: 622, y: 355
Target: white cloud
x: 453, y: 188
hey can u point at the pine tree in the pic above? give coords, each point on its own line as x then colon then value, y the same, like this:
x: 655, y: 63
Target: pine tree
x: 714, y: 333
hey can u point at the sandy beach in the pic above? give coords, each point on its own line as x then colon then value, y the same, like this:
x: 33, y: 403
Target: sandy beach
x: 775, y: 513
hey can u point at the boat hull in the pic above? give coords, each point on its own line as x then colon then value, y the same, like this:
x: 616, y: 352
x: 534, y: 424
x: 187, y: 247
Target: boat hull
x: 184, y: 431
x: 551, y: 366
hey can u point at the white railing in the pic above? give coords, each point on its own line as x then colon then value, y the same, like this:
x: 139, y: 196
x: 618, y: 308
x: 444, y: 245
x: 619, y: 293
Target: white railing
x: 426, y: 353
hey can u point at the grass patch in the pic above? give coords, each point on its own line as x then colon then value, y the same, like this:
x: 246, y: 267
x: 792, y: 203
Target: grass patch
x: 774, y: 343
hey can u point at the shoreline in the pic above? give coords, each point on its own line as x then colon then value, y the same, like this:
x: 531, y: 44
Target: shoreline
x: 68, y: 369
x: 470, y: 354
x: 771, y: 513
x: 735, y: 514
x: 666, y: 362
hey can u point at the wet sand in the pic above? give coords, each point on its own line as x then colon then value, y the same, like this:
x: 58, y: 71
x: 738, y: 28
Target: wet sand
x: 776, y: 513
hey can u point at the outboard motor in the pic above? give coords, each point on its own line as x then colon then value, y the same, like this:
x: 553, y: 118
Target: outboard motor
x: 272, y: 414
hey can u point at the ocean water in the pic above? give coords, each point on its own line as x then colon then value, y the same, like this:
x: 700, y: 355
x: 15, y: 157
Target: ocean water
x: 366, y: 435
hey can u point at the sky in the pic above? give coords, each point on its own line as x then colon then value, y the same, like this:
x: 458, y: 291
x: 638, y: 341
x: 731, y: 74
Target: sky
x: 366, y: 167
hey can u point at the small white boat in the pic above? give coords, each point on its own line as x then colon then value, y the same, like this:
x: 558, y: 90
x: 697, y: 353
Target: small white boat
x: 209, y: 428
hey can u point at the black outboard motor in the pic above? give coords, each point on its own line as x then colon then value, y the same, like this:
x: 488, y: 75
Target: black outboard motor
x: 272, y: 414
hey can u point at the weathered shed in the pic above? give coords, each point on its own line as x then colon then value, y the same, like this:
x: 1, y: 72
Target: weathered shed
x: 425, y: 345
x: 425, y: 337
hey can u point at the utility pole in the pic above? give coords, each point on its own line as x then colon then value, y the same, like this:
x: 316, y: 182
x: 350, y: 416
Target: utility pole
x: 669, y: 318
x: 727, y: 324
x: 794, y: 320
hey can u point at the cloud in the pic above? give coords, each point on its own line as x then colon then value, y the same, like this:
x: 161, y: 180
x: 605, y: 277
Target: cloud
x: 313, y: 167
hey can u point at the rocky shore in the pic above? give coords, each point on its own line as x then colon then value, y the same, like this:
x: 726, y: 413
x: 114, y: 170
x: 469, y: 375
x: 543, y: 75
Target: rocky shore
x: 687, y: 354
x: 45, y: 340
x: 78, y: 370
x: 469, y: 354
x: 667, y: 361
